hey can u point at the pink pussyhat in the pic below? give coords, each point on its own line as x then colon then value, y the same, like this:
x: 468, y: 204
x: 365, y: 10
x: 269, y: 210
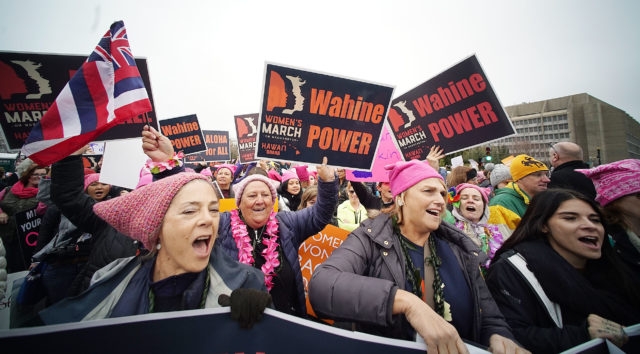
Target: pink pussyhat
x: 406, y: 174
x: 615, y: 180
x: 139, y: 214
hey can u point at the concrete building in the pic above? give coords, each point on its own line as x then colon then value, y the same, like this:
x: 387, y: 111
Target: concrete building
x: 596, y: 126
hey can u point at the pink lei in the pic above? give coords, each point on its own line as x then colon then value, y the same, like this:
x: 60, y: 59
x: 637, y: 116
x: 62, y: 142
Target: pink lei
x: 245, y: 247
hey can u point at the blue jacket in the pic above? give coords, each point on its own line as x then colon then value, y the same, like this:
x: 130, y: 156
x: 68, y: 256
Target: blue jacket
x: 294, y: 227
x: 123, y: 286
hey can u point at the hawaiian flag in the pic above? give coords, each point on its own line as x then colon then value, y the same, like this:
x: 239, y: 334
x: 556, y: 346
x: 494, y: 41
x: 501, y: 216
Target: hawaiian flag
x: 105, y: 91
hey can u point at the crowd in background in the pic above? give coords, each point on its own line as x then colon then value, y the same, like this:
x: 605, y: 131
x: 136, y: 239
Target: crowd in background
x: 522, y: 257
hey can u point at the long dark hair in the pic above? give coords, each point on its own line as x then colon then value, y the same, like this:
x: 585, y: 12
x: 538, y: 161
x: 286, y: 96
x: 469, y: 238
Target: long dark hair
x: 541, y: 209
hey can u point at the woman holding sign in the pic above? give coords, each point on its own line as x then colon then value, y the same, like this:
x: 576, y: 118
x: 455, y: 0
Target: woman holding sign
x: 405, y: 274
x: 254, y: 234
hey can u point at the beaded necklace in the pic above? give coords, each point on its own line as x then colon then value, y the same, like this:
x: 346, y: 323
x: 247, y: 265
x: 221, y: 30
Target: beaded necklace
x: 413, y: 273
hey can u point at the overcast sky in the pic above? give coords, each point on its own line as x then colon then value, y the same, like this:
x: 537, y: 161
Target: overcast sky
x: 207, y: 57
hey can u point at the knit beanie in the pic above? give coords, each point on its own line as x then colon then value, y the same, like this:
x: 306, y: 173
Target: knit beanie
x: 139, y: 214
x: 303, y: 173
x: 489, y: 167
x: 228, y: 166
x: 289, y: 174
x: 238, y: 188
x: 274, y: 175
x: 615, y: 180
x: 484, y: 192
x: 405, y: 174
x: 88, y: 179
x: 524, y: 165
x: 207, y: 172
x: 500, y: 173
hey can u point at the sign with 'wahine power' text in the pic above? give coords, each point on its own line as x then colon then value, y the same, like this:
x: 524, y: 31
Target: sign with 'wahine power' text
x: 306, y: 116
x: 455, y: 110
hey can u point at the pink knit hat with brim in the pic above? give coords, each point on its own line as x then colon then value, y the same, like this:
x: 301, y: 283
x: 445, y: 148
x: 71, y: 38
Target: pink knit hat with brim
x: 207, y: 172
x: 139, y: 214
x: 90, y: 178
x: 406, y: 174
x: 615, y: 180
x: 484, y: 192
x: 238, y: 188
x: 230, y: 167
x: 302, y: 172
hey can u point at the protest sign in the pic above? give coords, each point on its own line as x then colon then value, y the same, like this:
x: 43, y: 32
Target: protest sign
x: 306, y: 116
x: 455, y: 110
x: 185, y: 133
x: 315, y: 250
x: 30, y: 84
x: 387, y: 154
x: 28, y: 226
x: 247, y: 131
x: 201, y: 331
x: 217, y: 143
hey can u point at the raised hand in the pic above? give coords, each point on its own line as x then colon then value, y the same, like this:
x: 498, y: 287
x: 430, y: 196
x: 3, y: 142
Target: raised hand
x: 326, y: 173
x: 155, y: 145
x: 436, y: 153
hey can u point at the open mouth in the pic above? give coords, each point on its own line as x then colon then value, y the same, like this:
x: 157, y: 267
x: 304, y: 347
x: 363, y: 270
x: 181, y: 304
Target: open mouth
x: 201, y: 244
x: 433, y: 212
x: 589, y: 240
x: 470, y: 208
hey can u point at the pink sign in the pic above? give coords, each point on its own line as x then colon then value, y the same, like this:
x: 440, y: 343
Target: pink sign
x: 387, y: 154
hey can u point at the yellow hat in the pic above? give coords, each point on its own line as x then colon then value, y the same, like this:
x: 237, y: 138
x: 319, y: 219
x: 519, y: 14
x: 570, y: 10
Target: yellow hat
x: 524, y: 165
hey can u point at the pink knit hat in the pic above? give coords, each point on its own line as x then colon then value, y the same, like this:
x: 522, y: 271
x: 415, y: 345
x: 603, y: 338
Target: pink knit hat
x: 615, y: 180
x: 238, y: 188
x: 484, y: 192
x: 139, y: 214
x: 303, y: 173
x: 289, y: 174
x: 405, y: 174
x: 274, y: 175
x: 207, y: 172
x: 90, y: 178
x: 228, y: 166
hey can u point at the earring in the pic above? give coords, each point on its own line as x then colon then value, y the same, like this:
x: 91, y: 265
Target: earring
x: 158, y: 247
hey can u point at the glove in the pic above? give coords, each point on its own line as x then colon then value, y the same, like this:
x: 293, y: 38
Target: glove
x: 247, y: 305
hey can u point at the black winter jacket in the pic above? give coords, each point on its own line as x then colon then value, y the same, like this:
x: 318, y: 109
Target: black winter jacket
x: 67, y: 184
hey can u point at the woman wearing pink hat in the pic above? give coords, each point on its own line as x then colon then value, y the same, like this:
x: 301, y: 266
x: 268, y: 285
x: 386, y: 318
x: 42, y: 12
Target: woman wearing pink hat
x: 405, y: 274
x: 224, y: 179
x: 256, y: 235
x: 618, y: 191
x: 176, y: 218
x: 289, y: 191
x: 471, y: 213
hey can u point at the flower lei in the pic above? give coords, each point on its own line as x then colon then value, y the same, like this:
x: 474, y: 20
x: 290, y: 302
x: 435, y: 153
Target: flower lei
x: 157, y: 167
x: 245, y: 247
x: 490, y: 240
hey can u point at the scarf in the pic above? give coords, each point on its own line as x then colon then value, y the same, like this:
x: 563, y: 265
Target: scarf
x: 579, y: 293
x: 23, y: 192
